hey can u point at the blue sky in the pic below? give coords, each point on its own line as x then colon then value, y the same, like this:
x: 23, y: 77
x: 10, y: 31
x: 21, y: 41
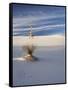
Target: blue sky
x: 45, y: 20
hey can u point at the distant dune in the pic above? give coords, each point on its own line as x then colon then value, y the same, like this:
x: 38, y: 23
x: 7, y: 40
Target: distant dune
x: 53, y: 40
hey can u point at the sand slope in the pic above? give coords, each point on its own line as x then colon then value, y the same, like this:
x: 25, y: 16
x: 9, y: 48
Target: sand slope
x: 49, y: 69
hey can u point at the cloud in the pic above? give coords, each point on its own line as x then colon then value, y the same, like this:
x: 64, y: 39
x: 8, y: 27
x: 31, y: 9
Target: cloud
x: 37, y: 29
x: 27, y: 20
x: 39, y: 23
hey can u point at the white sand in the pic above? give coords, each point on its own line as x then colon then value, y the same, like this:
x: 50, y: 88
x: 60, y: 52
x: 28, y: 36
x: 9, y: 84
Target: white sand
x: 53, y: 40
x: 20, y: 59
x: 49, y: 69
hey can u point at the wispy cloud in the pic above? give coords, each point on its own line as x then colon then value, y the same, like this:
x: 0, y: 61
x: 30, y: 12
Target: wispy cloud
x: 40, y: 21
x: 23, y: 21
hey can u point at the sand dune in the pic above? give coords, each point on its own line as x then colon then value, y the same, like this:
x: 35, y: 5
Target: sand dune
x: 50, y: 68
x: 53, y: 40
